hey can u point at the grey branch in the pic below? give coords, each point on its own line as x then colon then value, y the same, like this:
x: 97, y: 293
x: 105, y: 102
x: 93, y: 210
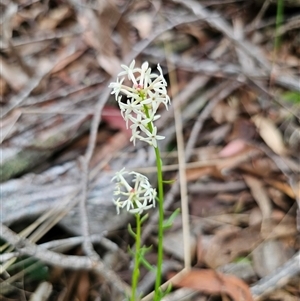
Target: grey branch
x: 278, y: 279
x: 25, y: 247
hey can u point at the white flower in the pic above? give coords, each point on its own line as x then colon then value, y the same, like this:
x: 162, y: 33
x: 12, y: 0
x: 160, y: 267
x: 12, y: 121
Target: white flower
x: 152, y: 137
x: 135, y: 199
x: 116, y: 87
x: 135, y: 135
x: 147, y: 91
x: 140, y: 121
x: 129, y: 108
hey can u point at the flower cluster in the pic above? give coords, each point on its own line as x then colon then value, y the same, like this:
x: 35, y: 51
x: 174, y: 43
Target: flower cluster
x: 143, y: 98
x: 136, y: 199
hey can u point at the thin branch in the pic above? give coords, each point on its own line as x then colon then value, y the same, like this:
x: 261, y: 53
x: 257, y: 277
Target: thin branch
x: 278, y: 278
x: 24, y: 246
x: 182, y: 167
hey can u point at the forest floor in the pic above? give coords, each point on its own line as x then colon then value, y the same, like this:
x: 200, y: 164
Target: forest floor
x: 231, y: 150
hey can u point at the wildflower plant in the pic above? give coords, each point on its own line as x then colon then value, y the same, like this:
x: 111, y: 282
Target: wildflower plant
x: 143, y: 97
x: 139, y: 93
x: 137, y: 198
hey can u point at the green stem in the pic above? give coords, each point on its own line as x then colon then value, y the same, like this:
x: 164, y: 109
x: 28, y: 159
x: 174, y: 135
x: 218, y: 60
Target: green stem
x: 161, y: 214
x: 136, y: 270
x: 160, y: 223
x: 279, y: 20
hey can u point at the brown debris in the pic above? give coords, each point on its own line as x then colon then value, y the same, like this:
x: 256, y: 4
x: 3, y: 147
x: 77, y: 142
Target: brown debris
x: 62, y: 139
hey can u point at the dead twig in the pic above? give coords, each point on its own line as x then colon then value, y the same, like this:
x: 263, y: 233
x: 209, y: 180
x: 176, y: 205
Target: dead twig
x: 85, y: 178
x: 25, y: 247
x: 277, y: 279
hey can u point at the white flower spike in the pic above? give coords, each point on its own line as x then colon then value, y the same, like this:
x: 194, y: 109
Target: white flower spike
x: 135, y: 199
x: 147, y: 91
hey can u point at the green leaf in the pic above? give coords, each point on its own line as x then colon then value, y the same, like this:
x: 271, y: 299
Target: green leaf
x: 168, y: 290
x: 132, y: 253
x: 40, y: 273
x: 242, y: 259
x: 162, y: 294
x: 169, y: 181
x: 291, y: 96
x: 144, y: 218
x: 169, y: 222
x: 131, y: 232
x: 147, y: 264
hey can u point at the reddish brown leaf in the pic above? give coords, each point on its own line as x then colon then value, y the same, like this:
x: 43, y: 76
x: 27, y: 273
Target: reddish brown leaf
x: 212, y: 282
x: 113, y: 117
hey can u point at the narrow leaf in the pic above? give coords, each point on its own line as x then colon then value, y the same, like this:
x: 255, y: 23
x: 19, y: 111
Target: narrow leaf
x: 169, y: 222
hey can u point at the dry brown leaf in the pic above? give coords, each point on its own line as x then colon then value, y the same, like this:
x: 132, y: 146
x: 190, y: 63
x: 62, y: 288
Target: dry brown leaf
x: 223, y: 112
x: 14, y: 75
x: 270, y: 134
x: 54, y: 17
x: 83, y: 286
x: 225, y: 246
x: 284, y: 187
x: 196, y: 173
x: 3, y: 86
x: 283, y: 295
x: 143, y: 23
x: 109, y: 63
x: 286, y: 227
x: 67, y: 60
x: 212, y: 282
x: 261, y: 167
x: 29, y: 14
x: 243, y: 129
x: 279, y: 198
x: 260, y: 195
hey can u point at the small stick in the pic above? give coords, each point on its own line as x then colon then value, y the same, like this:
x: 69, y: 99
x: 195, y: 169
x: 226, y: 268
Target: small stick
x: 24, y: 246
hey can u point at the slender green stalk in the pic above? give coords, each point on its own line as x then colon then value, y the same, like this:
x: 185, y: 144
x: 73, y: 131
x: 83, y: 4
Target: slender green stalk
x: 161, y: 214
x: 279, y: 20
x: 136, y: 270
x: 160, y: 223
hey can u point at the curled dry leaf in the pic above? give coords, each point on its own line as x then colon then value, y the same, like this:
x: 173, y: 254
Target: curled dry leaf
x: 270, y: 134
x: 212, y: 282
